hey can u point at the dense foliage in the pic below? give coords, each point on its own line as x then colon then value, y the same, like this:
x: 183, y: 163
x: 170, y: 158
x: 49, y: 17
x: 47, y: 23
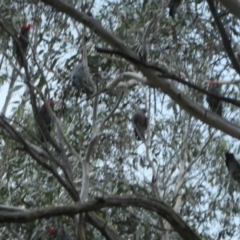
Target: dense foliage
x: 182, y: 160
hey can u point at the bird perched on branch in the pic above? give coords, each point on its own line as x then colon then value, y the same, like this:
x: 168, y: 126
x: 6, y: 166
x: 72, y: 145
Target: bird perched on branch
x: 173, y: 6
x: 140, y: 123
x: 21, y: 44
x: 80, y: 80
x: 215, y: 103
x: 46, y: 118
x: 59, y: 234
x: 233, y: 166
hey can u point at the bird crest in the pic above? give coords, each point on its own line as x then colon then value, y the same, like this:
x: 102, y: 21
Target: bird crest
x: 52, y: 231
x: 26, y: 27
x: 213, y: 83
x: 51, y: 103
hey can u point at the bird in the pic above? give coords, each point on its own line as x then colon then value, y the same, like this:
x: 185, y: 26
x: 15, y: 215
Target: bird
x: 140, y: 123
x: 214, y: 103
x: 173, y: 6
x: 45, y: 116
x: 233, y: 166
x: 21, y: 45
x: 59, y: 234
x: 80, y: 80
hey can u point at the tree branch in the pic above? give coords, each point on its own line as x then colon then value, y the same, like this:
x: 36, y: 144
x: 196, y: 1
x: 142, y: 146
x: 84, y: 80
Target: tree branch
x: 154, y: 80
x: 26, y: 147
x: 225, y: 38
x: 134, y: 201
x: 98, y: 223
x: 168, y: 75
x: 233, y: 6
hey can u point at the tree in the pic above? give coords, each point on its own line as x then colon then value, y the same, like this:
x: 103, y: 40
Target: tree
x: 108, y: 184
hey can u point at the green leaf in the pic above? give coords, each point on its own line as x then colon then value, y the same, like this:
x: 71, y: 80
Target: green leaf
x: 41, y: 83
x: 15, y: 88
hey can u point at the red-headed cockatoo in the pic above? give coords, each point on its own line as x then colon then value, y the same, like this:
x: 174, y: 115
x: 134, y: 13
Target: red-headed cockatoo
x: 22, y: 43
x: 59, y: 234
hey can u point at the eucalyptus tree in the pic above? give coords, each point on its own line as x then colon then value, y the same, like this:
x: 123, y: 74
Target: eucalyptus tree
x: 173, y: 184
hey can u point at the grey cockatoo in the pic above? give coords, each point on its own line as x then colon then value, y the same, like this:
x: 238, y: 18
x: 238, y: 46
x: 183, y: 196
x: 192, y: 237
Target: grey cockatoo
x: 80, y: 80
x: 173, y: 6
x: 233, y: 166
x: 214, y: 103
x: 46, y: 118
x: 140, y: 123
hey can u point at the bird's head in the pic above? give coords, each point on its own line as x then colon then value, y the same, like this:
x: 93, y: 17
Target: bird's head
x: 52, y: 231
x: 26, y: 27
x: 144, y: 110
x: 213, y: 83
x: 51, y: 103
x: 210, y: 84
x: 226, y: 153
x: 229, y: 155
